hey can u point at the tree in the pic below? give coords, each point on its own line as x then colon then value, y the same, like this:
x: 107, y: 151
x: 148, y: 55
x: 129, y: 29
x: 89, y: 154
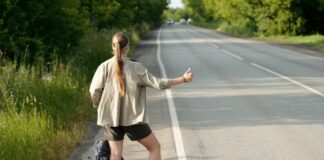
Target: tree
x: 262, y: 16
x: 124, y: 13
x: 36, y: 28
x: 311, y: 12
x: 30, y: 29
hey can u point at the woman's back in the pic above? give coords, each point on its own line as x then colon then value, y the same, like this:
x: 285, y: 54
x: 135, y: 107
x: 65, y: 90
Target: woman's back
x: 114, y: 109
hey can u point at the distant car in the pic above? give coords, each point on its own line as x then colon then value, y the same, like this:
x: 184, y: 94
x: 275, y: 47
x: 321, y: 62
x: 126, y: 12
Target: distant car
x: 189, y: 21
x: 182, y: 21
x: 170, y: 21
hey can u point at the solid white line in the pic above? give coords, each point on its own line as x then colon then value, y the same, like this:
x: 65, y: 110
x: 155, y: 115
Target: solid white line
x: 173, y: 114
x: 289, y: 79
x: 232, y: 54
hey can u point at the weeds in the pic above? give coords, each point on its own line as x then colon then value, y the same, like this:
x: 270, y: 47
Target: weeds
x: 38, y: 116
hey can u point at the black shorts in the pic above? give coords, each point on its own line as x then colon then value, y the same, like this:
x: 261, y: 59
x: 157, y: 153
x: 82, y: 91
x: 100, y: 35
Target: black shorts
x: 134, y: 132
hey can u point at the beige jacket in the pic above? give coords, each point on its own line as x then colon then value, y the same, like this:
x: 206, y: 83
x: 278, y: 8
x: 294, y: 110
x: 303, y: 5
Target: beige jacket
x: 114, y: 110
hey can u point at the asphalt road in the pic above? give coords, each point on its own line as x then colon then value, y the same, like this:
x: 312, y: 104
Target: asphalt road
x: 248, y: 100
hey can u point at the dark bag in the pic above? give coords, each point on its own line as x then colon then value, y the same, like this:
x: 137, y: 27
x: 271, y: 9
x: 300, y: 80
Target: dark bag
x: 102, y: 150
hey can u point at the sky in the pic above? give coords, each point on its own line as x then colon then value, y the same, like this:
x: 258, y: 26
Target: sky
x: 176, y: 4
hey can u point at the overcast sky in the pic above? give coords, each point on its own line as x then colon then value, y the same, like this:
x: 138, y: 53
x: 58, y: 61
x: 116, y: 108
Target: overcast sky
x: 176, y: 4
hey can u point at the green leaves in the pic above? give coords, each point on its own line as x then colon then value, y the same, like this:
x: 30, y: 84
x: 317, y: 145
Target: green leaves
x: 267, y: 17
x: 55, y: 27
x: 124, y: 13
x: 32, y: 28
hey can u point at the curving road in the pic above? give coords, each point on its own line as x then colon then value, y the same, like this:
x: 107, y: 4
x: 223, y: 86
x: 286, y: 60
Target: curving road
x: 248, y: 101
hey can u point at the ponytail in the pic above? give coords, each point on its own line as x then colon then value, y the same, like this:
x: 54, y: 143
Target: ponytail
x: 121, y: 41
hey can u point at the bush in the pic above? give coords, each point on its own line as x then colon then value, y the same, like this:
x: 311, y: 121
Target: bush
x: 267, y: 17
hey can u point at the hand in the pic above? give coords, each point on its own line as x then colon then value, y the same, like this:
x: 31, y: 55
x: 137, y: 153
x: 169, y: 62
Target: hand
x: 187, y: 76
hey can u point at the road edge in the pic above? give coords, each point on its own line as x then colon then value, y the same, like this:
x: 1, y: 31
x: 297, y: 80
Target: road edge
x: 173, y: 114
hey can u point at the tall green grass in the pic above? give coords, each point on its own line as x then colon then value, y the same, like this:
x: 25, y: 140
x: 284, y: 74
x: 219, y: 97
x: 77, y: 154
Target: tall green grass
x: 45, y: 109
x: 39, y: 116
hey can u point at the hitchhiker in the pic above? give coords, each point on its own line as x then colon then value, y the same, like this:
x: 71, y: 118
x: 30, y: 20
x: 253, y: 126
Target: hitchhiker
x: 118, y: 90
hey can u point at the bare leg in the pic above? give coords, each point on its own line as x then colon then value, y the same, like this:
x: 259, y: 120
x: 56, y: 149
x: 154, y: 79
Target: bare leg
x: 153, y: 146
x: 116, y: 149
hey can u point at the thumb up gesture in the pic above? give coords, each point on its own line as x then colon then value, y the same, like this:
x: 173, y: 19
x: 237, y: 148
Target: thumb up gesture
x: 187, y: 76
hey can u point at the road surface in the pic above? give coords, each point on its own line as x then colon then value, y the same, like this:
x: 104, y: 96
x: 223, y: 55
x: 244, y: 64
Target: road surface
x: 248, y: 100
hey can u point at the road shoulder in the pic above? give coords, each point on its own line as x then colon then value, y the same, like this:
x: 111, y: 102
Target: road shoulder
x: 301, y: 48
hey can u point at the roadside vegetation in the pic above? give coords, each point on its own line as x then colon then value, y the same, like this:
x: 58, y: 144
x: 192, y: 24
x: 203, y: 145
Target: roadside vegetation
x: 293, y: 21
x: 175, y: 14
x: 49, y: 51
x: 316, y: 40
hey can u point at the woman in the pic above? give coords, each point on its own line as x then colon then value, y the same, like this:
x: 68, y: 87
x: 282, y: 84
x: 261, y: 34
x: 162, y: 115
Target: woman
x: 118, y: 89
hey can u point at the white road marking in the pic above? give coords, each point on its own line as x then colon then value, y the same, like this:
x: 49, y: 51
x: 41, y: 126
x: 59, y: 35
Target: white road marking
x: 232, y: 54
x: 289, y: 79
x: 173, y: 114
x: 227, y: 52
x: 214, y: 45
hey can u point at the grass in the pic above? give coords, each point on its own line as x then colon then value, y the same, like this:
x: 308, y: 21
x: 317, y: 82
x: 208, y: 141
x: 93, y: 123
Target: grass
x: 31, y: 135
x: 40, y: 118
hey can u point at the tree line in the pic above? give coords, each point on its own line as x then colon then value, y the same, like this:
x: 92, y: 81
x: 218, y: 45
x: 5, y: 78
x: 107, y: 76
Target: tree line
x: 262, y: 17
x: 32, y: 29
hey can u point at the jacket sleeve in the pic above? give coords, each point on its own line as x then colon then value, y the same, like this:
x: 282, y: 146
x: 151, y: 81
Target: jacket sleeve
x: 97, y: 85
x: 148, y: 80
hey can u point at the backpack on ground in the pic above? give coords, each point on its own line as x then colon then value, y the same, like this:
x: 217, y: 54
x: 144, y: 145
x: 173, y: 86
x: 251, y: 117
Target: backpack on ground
x: 101, y: 150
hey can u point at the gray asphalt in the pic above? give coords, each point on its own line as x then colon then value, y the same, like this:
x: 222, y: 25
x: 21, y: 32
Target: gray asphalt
x: 248, y: 101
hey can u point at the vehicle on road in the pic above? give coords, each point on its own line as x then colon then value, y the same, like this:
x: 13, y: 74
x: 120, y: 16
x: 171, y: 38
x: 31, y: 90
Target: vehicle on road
x: 182, y: 21
x: 170, y: 21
